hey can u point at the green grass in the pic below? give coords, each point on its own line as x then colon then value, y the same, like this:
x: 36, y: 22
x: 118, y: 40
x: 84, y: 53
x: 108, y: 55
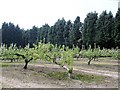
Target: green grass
x: 8, y: 64
x: 88, y: 78
x: 57, y: 75
x: 81, y: 77
x: 5, y: 65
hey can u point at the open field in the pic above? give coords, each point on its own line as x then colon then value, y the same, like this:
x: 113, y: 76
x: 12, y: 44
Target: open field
x: 102, y: 73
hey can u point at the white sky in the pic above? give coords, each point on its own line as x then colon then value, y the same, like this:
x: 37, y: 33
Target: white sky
x: 27, y: 13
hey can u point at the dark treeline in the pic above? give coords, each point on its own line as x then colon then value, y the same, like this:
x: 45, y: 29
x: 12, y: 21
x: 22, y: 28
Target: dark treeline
x: 104, y: 30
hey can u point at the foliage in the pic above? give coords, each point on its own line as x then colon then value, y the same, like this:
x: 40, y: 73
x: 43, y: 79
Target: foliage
x: 102, y: 30
x: 117, y: 29
x: 11, y: 34
x: 89, y: 29
x: 105, y: 27
x: 8, y: 53
x: 43, y: 51
x: 97, y: 52
x: 75, y: 34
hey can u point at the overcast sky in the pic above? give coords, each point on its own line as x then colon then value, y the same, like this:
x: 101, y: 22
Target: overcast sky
x: 27, y: 13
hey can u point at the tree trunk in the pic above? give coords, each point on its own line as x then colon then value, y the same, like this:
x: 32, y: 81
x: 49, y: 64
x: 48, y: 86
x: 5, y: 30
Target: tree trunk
x: 94, y: 58
x: 77, y: 58
x: 11, y: 60
x: 90, y: 59
x: 65, y: 67
x: 26, y: 63
x: 70, y: 73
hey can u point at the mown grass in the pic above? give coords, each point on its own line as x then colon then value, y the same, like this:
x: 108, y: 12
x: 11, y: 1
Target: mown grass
x: 81, y: 77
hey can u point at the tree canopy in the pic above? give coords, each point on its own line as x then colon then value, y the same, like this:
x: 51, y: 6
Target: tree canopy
x: 104, y: 30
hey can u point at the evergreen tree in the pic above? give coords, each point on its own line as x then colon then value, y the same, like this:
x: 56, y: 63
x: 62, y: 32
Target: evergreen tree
x: 26, y: 37
x: 104, y: 27
x: 11, y: 34
x: 67, y: 29
x: 75, y: 34
x: 51, y: 35
x: 0, y: 36
x: 89, y: 30
x: 43, y: 32
x: 5, y: 33
x: 117, y: 29
x: 104, y: 31
x: 39, y: 37
x: 33, y: 35
x: 59, y: 29
x: 19, y: 36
